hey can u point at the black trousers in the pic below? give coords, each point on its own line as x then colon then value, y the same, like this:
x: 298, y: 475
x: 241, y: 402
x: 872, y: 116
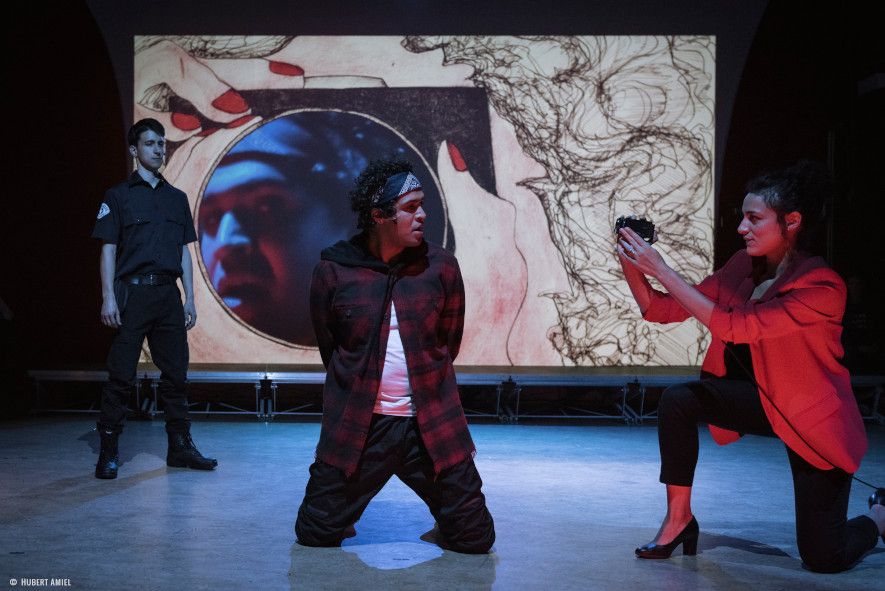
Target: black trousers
x: 333, y: 502
x: 827, y: 541
x: 155, y: 312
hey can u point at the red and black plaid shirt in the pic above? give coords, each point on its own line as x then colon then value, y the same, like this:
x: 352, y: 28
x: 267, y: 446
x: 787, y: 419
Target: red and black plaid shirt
x: 350, y: 308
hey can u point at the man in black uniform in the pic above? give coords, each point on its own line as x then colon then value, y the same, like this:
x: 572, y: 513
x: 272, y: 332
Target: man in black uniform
x: 145, y: 224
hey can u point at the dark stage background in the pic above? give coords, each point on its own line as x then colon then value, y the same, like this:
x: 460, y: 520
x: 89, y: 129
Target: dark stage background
x: 793, y: 80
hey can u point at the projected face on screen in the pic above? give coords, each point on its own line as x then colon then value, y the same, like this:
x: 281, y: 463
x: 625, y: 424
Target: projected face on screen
x: 537, y: 143
x: 275, y: 200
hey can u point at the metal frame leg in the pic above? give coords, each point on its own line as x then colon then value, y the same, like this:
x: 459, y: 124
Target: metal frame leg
x: 508, y: 415
x: 38, y: 398
x: 155, y: 387
x: 877, y: 396
x: 265, y: 404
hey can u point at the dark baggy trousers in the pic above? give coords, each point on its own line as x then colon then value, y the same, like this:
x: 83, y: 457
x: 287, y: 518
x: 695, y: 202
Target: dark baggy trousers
x: 155, y: 312
x: 333, y: 502
x: 827, y: 541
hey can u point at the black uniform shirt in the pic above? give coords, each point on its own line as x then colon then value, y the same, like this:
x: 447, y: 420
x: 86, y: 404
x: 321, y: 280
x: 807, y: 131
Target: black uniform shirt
x: 149, y: 226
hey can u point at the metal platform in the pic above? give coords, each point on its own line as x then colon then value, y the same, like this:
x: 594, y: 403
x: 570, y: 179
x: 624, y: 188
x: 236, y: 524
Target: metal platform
x: 631, y: 384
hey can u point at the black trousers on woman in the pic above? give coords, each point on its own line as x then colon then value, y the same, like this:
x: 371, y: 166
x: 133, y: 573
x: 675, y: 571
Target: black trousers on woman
x: 827, y: 541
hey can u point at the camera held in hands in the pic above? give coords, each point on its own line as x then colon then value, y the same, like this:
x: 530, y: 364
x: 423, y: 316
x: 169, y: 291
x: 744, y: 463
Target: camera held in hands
x: 641, y: 226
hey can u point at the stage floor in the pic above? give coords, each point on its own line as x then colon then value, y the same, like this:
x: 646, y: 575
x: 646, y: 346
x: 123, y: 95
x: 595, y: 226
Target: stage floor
x: 570, y: 503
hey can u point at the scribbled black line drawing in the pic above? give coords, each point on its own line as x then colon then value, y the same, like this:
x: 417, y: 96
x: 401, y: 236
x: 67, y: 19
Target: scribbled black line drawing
x: 219, y: 46
x: 620, y: 125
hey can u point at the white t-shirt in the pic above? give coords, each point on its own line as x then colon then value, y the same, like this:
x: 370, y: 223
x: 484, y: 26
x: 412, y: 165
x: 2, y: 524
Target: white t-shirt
x: 394, y: 393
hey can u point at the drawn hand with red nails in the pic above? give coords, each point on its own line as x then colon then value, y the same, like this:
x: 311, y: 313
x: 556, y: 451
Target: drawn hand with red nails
x: 500, y: 293
x: 206, y: 72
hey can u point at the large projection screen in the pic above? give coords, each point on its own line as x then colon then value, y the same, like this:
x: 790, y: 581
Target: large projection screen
x: 529, y: 147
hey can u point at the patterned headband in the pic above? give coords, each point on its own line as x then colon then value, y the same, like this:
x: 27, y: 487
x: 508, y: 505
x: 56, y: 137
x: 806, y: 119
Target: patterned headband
x: 396, y: 186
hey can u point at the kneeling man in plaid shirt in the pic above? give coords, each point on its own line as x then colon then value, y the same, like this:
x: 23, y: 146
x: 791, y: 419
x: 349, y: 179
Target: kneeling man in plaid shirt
x: 388, y: 311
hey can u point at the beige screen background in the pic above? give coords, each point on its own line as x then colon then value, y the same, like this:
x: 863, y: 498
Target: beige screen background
x: 583, y: 129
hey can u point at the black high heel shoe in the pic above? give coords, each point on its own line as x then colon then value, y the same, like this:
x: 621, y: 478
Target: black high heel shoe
x: 688, y: 537
x: 877, y: 498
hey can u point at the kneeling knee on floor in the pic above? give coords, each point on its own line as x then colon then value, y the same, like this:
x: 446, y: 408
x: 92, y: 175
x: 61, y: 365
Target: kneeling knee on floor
x: 823, y: 564
x: 306, y: 537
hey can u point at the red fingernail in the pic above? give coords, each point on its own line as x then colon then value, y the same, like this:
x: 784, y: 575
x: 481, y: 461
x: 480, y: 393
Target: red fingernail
x: 238, y: 122
x: 230, y: 102
x: 457, y: 159
x: 284, y: 69
x: 207, y: 132
x: 185, y: 122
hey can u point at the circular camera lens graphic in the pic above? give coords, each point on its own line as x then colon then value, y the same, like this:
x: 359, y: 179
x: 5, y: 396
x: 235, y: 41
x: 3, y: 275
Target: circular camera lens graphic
x: 277, y: 197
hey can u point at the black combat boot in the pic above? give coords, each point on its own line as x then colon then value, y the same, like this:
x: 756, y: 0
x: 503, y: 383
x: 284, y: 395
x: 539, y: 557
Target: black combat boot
x: 183, y: 454
x: 109, y: 456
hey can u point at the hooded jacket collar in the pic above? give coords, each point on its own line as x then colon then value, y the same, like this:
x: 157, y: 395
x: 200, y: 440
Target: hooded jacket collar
x: 355, y: 253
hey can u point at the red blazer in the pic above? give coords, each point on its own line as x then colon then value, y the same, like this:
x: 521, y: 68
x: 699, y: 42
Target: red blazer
x: 794, y: 332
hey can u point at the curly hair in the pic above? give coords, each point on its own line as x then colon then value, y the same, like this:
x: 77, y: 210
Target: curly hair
x: 370, y: 180
x: 805, y: 187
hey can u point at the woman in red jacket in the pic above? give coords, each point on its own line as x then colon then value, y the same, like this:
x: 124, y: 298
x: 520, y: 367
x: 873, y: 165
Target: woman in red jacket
x: 774, y: 313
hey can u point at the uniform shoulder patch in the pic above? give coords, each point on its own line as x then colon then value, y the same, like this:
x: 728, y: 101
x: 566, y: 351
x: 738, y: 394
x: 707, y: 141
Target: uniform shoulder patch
x: 103, y: 211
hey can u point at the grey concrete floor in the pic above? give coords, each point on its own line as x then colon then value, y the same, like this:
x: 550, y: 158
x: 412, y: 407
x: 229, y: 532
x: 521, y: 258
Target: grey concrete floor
x: 570, y: 503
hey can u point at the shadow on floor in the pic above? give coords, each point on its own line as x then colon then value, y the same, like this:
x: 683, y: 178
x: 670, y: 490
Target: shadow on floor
x: 390, y: 565
x: 711, y: 541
